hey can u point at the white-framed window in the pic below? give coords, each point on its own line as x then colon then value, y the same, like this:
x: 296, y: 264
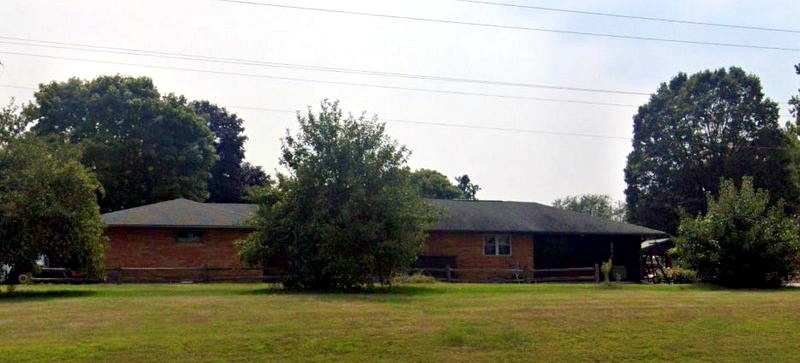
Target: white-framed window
x: 497, y: 245
x: 189, y: 236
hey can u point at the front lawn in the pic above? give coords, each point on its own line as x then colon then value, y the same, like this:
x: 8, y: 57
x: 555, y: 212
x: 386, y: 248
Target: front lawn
x: 438, y: 322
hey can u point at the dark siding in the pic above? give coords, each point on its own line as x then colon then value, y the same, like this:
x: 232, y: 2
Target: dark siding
x: 568, y: 251
x: 435, y: 262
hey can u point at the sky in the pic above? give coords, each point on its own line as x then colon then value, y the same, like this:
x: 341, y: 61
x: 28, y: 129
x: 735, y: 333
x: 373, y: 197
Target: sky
x: 523, y: 148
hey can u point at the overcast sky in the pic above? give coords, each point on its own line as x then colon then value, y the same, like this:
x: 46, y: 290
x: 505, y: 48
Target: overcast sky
x: 509, y: 165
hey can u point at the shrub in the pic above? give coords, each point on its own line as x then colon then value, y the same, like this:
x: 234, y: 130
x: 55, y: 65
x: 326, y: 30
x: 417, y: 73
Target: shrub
x: 677, y: 275
x: 741, y: 241
x: 416, y: 278
x: 48, y: 207
x: 346, y: 213
x: 606, y: 268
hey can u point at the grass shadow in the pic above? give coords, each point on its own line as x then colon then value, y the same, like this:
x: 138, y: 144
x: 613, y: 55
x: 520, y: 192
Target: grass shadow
x: 713, y: 287
x: 705, y: 286
x: 25, y: 296
x: 610, y: 286
x: 361, y: 293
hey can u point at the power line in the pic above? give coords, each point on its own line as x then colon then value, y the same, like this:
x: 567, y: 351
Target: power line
x: 443, y: 124
x: 369, y: 85
x: 491, y: 128
x: 514, y: 27
x: 251, y: 62
x: 787, y: 112
x: 465, y: 126
x: 17, y: 87
x: 637, y: 17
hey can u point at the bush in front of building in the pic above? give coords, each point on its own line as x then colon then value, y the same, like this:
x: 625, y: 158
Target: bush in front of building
x: 742, y: 241
x: 48, y: 207
x: 606, y: 268
x: 415, y: 278
x: 346, y: 214
x: 676, y: 275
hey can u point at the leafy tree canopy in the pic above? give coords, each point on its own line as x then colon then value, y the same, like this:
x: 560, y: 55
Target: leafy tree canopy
x: 435, y: 185
x: 794, y: 133
x: 48, y: 207
x: 254, y: 176
x: 695, y: 130
x: 346, y: 212
x: 143, y: 147
x: 741, y: 241
x: 794, y: 102
x: 12, y: 124
x: 598, y: 205
x: 230, y: 176
x: 468, y: 189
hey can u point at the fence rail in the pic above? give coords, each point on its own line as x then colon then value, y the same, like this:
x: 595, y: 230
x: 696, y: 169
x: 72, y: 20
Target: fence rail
x: 253, y: 274
x: 519, y: 275
x: 189, y: 274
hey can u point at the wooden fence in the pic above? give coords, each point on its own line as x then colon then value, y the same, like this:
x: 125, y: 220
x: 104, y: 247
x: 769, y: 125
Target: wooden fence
x: 516, y: 275
x: 56, y: 275
x: 158, y: 275
x: 190, y: 274
x: 227, y: 274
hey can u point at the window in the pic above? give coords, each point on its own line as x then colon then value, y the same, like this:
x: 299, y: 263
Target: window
x: 497, y: 245
x: 189, y: 236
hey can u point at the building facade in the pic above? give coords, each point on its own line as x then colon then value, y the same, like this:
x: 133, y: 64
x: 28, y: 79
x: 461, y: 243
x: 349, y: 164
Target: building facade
x: 478, y: 240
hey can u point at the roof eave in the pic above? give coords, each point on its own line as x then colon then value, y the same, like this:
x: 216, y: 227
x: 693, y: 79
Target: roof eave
x: 111, y: 225
x: 644, y: 234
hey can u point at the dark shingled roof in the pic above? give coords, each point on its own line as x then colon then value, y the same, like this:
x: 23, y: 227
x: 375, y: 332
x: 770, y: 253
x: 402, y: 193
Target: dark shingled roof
x: 459, y: 216
x: 182, y: 213
x: 526, y: 217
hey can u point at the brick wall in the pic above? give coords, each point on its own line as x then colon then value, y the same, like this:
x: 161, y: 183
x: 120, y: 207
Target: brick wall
x: 157, y: 247
x: 468, y: 251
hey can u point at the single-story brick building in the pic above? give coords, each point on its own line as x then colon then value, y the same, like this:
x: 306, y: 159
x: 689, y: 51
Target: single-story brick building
x: 470, y: 235
x: 176, y: 234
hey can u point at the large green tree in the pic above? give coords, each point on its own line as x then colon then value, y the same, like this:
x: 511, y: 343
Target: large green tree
x: 794, y: 102
x: 598, y: 205
x: 742, y: 241
x: 48, y: 207
x: 254, y: 176
x: 12, y: 124
x: 435, y: 185
x: 794, y: 131
x: 231, y: 175
x: 469, y: 190
x: 346, y: 213
x: 696, y: 130
x: 143, y: 147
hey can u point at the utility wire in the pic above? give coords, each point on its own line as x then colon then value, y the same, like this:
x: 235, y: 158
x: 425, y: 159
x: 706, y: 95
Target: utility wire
x: 491, y: 128
x: 787, y: 112
x: 250, y: 62
x: 514, y: 27
x: 443, y: 124
x: 637, y: 17
x: 465, y: 126
x: 369, y: 85
x: 17, y: 87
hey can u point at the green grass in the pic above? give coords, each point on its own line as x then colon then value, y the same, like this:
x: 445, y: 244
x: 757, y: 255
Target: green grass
x: 434, y: 322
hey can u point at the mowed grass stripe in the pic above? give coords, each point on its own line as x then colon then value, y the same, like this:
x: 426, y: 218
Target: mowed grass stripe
x: 438, y: 322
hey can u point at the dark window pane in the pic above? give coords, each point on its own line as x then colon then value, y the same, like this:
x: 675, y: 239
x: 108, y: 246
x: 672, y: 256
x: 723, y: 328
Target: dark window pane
x: 489, y: 246
x: 504, y: 250
x: 185, y: 235
x: 504, y: 245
